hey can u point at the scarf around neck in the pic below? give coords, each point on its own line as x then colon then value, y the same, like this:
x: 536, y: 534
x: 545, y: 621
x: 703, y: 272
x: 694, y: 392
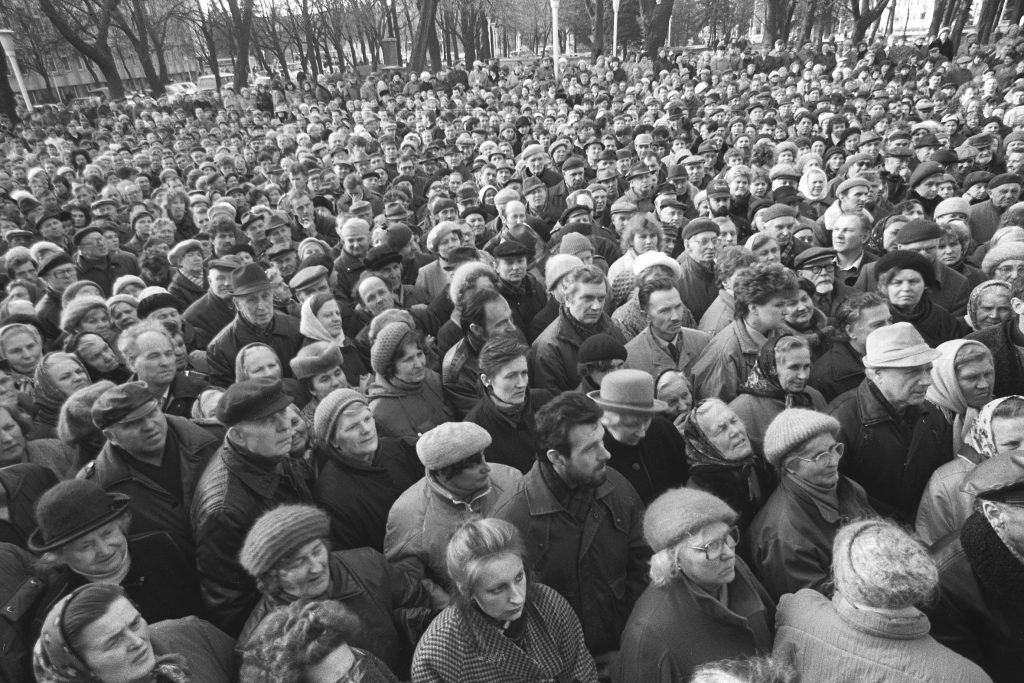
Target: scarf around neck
x: 584, y: 331
x: 763, y: 379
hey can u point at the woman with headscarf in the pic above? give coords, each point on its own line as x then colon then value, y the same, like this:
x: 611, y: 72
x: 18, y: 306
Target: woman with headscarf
x: 871, y: 629
x: 962, y: 381
x: 989, y: 305
x: 320, y: 320
x: 261, y: 360
x: 722, y: 460
x: 777, y: 382
x: 814, y: 187
x: 75, y: 646
x: 998, y: 429
x: 101, y: 361
x: 21, y: 347
x: 58, y: 376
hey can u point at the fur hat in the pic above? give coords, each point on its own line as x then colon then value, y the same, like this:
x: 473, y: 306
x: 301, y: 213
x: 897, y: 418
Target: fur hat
x: 558, y: 266
x: 279, y: 532
x: 77, y: 309
x: 792, y: 427
x: 679, y: 512
x: 1004, y: 251
x: 315, y: 358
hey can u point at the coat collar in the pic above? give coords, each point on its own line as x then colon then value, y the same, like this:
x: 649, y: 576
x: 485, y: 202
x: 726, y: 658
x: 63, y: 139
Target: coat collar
x: 910, y: 626
x: 541, y: 499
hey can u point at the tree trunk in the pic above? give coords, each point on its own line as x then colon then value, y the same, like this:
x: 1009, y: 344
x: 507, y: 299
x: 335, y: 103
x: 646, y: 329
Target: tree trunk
x: 467, y: 21
x: 434, y: 47
x: 987, y: 20
x: 655, y: 24
x: 595, y: 10
x: 241, y: 19
x: 97, y: 51
x: 961, y: 21
x: 428, y: 11
x: 395, y: 33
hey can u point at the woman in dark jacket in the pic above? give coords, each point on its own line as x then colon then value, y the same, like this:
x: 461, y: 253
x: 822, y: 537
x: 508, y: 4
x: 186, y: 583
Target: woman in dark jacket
x: 903, y: 279
x: 507, y: 410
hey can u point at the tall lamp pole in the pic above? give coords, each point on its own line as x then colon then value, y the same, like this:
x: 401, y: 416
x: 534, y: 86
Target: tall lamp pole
x: 554, y: 37
x: 7, y: 40
x: 615, y: 27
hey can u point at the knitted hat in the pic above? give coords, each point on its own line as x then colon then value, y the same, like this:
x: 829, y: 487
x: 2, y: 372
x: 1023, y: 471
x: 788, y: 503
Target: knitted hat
x: 77, y: 309
x: 952, y: 205
x: 387, y: 344
x: 279, y: 532
x: 330, y: 409
x: 601, y: 347
x: 558, y: 266
x: 315, y: 358
x: 451, y: 442
x: 1004, y: 251
x: 877, y: 564
x: 792, y: 427
x: 575, y: 244
x: 679, y: 512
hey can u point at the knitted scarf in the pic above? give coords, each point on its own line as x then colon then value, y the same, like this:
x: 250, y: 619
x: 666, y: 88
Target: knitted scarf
x: 763, y: 379
x: 577, y: 502
x: 584, y: 331
x: 998, y: 570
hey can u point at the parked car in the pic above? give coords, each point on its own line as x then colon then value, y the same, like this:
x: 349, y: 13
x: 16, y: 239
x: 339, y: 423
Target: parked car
x: 176, y: 91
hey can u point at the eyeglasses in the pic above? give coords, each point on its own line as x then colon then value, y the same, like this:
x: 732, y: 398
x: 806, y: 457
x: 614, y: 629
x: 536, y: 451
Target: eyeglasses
x: 714, y: 549
x: 64, y: 273
x: 1008, y: 269
x: 835, y: 450
x: 818, y: 270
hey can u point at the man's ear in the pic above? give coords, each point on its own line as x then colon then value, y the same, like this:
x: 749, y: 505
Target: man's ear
x: 1017, y: 305
x: 555, y: 458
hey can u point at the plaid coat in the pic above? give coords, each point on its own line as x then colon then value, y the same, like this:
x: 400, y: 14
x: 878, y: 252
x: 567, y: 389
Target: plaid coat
x: 462, y: 646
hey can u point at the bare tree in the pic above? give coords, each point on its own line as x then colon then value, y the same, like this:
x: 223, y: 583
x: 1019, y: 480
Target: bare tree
x: 86, y: 26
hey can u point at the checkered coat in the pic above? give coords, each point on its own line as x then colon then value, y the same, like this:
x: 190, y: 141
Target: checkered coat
x: 462, y: 646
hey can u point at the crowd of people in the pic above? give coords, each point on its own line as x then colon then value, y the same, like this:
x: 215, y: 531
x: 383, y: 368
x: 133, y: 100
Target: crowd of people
x: 708, y: 367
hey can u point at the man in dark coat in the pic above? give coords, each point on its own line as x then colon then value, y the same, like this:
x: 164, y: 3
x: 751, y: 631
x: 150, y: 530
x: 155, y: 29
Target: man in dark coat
x: 840, y: 368
x: 250, y: 474
x: 361, y: 475
x: 152, y: 457
x: 1005, y: 341
x: 187, y: 283
x: 523, y: 293
x: 213, y: 311
x: 355, y: 242
x: 148, y: 351
x: 94, y: 262
x: 58, y: 272
x: 894, y: 439
x: 645, y: 448
x: 697, y: 283
x: 582, y: 522
x: 255, y: 321
x: 22, y: 484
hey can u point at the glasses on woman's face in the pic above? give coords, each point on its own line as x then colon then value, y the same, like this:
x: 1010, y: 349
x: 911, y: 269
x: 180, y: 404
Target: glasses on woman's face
x: 835, y: 451
x: 713, y: 550
x: 1008, y: 269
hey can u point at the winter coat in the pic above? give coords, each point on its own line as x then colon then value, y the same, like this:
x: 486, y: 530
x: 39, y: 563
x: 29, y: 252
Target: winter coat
x: 833, y: 640
x: 423, y: 519
x: 460, y: 375
x: 745, y: 489
x: 654, y: 465
x: 934, y: 323
x: 234, y: 491
x: 951, y: 290
x: 1001, y: 341
x: 526, y: 300
x: 207, y: 649
x: 944, y: 507
x: 393, y: 610
x: 839, y: 370
x: 408, y: 414
x: 209, y: 315
x: 719, y: 315
x: 599, y: 565
x: 512, y: 443
x: 650, y: 354
x: 556, y: 353
x: 789, y: 543
x: 696, y: 285
x: 153, y: 507
x: 282, y: 335
x: 725, y: 363
x: 677, y: 627
x: 464, y: 645
x: 757, y: 412
x: 185, y: 290
x: 104, y: 272
x: 358, y: 495
x: 27, y: 592
x: 890, y: 457
x: 183, y: 392
x: 22, y: 484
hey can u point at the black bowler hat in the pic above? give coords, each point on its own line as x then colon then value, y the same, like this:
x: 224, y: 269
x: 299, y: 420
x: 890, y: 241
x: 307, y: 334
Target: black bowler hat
x: 70, y: 510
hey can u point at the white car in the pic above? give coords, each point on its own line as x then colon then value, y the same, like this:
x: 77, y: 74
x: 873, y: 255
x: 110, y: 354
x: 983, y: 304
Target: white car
x: 176, y: 91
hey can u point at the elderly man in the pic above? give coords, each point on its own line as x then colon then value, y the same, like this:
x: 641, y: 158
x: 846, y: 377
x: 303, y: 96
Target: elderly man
x: 817, y: 266
x: 521, y: 290
x: 458, y: 485
x: 213, y: 311
x: 790, y: 539
x: 95, y: 262
x: 148, y: 351
x: 255, y: 321
x: 187, y: 283
x: 582, y: 316
x: 361, y: 475
x: 582, y: 522
x: 697, y: 265
x: 980, y: 571
x: 645, y: 448
x: 58, y: 272
x: 840, y: 369
x: 849, y: 234
x: 154, y: 458
x: 664, y: 344
x: 250, y: 474
x: 355, y: 242
x: 1003, y: 191
x: 894, y: 438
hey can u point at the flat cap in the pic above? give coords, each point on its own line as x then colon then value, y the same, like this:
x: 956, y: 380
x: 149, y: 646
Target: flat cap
x: 815, y: 256
x: 451, y: 442
x: 778, y: 211
x: 998, y: 479
x: 123, y: 403
x: 924, y: 172
x: 307, y: 277
x: 511, y: 249
x: 251, y: 400
x: 698, y: 226
x: 851, y: 183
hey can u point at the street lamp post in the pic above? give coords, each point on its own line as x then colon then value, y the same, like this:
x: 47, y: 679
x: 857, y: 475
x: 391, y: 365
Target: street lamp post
x: 615, y: 27
x: 554, y: 36
x: 7, y: 40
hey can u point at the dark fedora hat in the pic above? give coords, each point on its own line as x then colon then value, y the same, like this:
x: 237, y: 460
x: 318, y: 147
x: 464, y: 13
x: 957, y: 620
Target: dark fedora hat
x: 70, y: 510
x: 249, y: 279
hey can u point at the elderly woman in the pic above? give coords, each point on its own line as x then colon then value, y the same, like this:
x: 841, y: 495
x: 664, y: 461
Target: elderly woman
x: 674, y: 389
x: 641, y: 235
x: 405, y: 396
x: 101, y: 361
x: 989, y: 305
x: 503, y: 627
x: 58, y: 376
x: 814, y: 187
x: 723, y: 462
x: 260, y: 360
x: 1004, y: 261
x: 98, y: 634
x: 962, y: 381
x: 320, y: 321
x: 21, y: 347
x: 946, y: 503
x: 777, y: 381
x: 790, y: 539
x: 124, y: 311
x: 903, y: 279
x: 87, y: 313
x: 507, y: 409
x: 318, y: 368
x: 442, y: 239
x: 703, y: 603
x: 311, y: 641
x: 871, y: 628
x: 459, y: 485
x: 286, y: 552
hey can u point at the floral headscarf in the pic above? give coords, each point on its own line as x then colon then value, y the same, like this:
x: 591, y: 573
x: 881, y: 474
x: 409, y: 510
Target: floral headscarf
x: 699, y: 449
x: 980, y: 435
x: 763, y: 379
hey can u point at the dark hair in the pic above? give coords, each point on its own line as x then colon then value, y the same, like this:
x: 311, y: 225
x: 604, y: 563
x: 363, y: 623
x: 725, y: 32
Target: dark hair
x: 649, y: 287
x: 474, y: 309
x: 318, y: 301
x: 853, y: 307
x: 499, y: 351
x: 554, y: 420
x: 758, y: 284
x: 82, y: 609
x: 731, y: 259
